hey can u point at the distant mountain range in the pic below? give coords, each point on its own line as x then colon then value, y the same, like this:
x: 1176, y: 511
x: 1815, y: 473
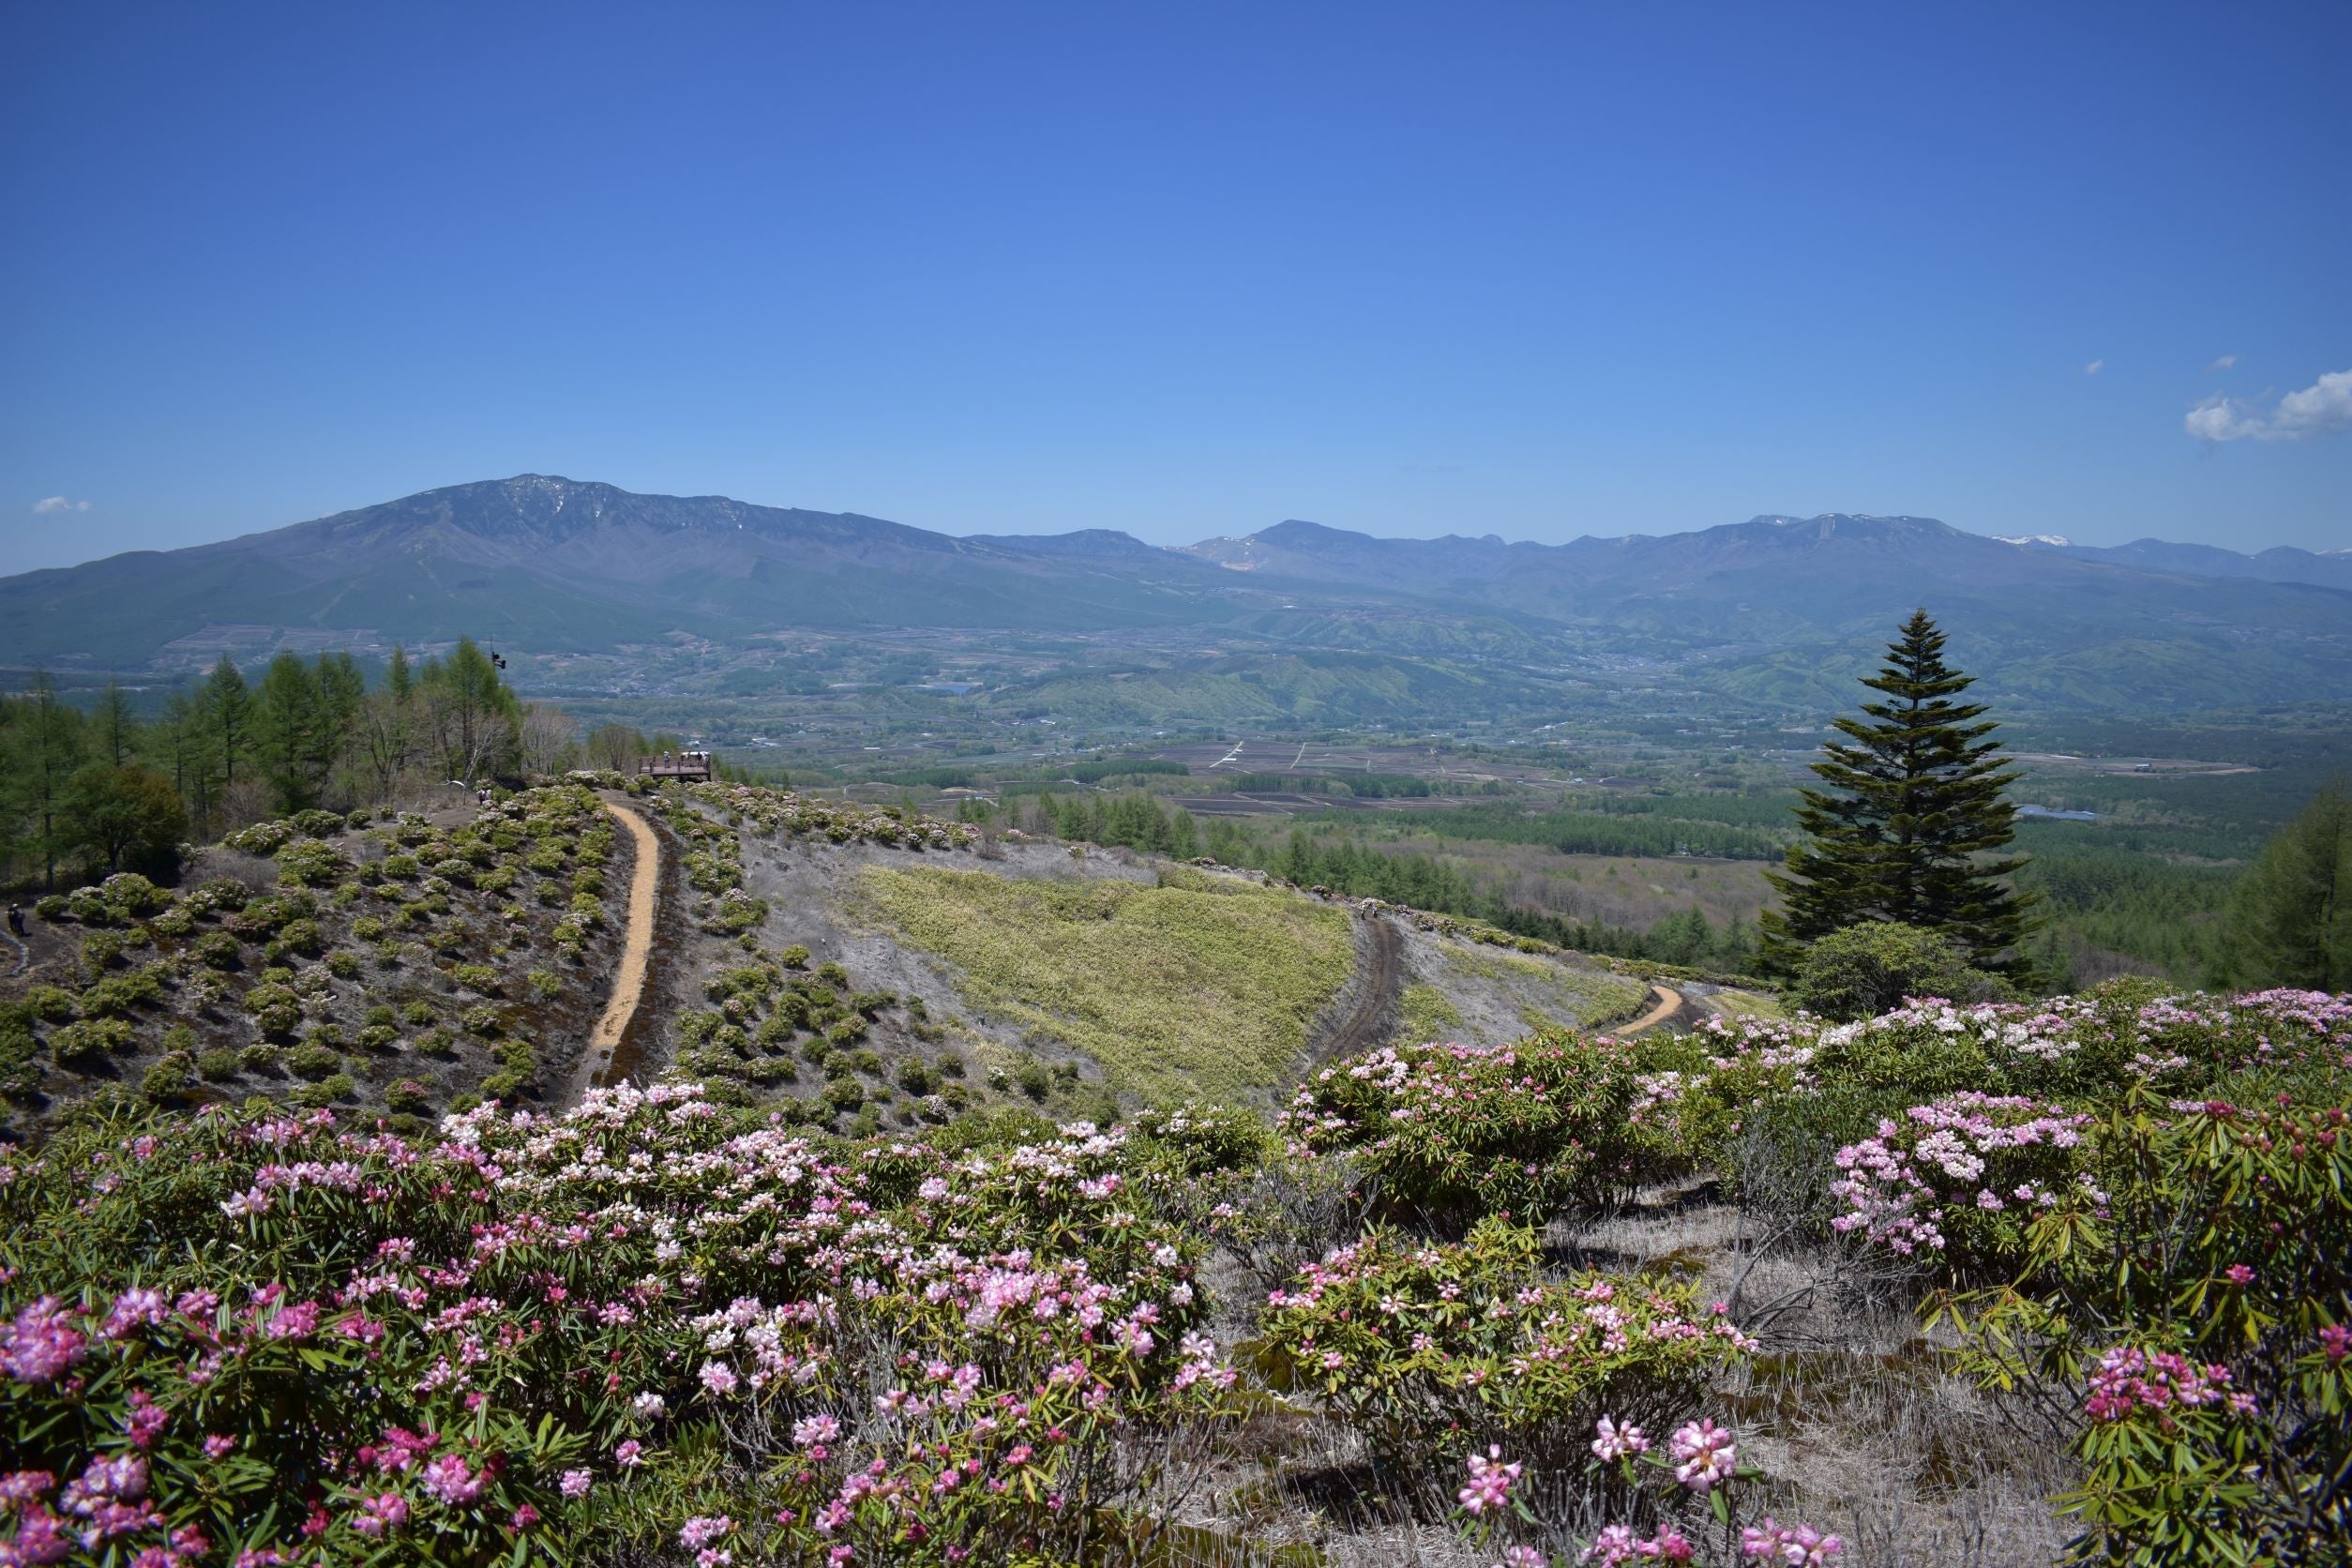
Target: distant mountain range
x: 557, y: 567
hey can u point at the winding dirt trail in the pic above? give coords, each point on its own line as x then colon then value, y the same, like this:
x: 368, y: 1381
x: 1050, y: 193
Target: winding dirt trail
x: 1670, y: 1003
x: 1375, y: 993
x: 628, y: 977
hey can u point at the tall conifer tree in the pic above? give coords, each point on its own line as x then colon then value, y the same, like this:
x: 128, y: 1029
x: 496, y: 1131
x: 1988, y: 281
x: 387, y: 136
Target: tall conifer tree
x: 1910, y: 826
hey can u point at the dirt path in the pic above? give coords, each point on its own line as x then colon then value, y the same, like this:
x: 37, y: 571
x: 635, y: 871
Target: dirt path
x: 1373, y: 997
x: 628, y: 976
x: 1670, y: 1003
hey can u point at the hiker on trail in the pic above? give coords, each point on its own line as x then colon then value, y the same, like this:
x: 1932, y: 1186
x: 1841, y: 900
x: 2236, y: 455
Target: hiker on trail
x: 16, y: 918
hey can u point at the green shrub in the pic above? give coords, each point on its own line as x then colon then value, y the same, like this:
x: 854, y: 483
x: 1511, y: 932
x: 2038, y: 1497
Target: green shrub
x: 334, y: 1091
x: 409, y: 1095
x: 794, y: 957
x: 101, y: 949
x: 310, y: 1060
x: 261, y: 1059
x: 50, y: 1003
x: 218, y: 950
x: 843, y: 1094
x: 482, y: 1020
x: 1446, y: 1134
x: 544, y: 984
x: 505, y: 1086
x: 169, y: 1080
x: 118, y: 995
x: 1864, y: 971
x: 1442, y: 1351
x: 219, y: 1065
x: 416, y: 1012
x: 311, y: 863
x: 1035, y: 1079
x: 343, y: 965
x: 477, y: 977
x: 86, y: 1043
x: 275, y: 1008
x: 301, y: 936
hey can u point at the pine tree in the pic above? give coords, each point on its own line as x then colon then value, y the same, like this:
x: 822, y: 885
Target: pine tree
x: 1911, y: 825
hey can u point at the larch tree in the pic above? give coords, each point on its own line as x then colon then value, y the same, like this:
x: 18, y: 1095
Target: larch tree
x: 2291, y: 922
x: 1910, y: 824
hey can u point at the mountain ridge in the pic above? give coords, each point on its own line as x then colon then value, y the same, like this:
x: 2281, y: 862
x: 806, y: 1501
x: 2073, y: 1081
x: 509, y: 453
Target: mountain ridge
x: 546, y: 565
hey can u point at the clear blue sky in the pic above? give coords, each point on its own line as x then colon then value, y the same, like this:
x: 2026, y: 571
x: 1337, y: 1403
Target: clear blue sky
x: 1184, y: 269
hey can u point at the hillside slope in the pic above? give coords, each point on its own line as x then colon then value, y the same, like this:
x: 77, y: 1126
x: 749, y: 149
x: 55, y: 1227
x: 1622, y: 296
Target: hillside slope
x: 933, y: 970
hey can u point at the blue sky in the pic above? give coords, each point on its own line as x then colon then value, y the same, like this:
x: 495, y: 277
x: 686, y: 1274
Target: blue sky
x: 1534, y: 269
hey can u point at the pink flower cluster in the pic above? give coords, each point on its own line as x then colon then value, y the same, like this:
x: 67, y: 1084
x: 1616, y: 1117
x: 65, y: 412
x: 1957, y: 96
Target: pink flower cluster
x: 1903, y: 1188
x: 2130, y: 1380
x: 1800, y: 1546
x: 1490, y: 1483
x: 1618, y: 1544
x: 1704, y: 1455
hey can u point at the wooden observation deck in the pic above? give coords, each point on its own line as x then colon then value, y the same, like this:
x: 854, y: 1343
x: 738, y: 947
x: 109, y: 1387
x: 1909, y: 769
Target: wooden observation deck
x: 693, y: 767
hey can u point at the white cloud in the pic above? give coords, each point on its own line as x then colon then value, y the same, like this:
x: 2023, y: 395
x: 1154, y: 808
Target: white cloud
x: 51, y: 504
x: 2094, y: 367
x: 2221, y: 363
x: 2323, y: 407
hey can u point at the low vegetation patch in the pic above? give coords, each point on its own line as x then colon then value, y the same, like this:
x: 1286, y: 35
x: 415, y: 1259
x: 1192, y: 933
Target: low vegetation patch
x: 1175, y: 991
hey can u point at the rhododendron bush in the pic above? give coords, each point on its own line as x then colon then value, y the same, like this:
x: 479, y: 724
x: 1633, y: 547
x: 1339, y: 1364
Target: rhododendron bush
x: 1960, y: 1179
x: 2198, y: 1290
x: 1447, y: 1133
x: 1429, y: 1347
x: 237, y: 1334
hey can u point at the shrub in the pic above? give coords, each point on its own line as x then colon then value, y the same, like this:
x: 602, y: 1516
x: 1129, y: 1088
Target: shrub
x: 1441, y: 1350
x: 1862, y: 971
x: 477, y: 977
x: 219, y: 1065
x: 2202, y: 1283
x: 794, y: 957
x: 544, y: 984
x: 408, y: 1096
x: 218, y: 950
x: 101, y: 949
x: 311, y: 863
x: 118, y: 994
x: 739, y: 1396
x: 50, y: 1003
x: 301, y: 936
x: 313, y: 1061
x: 169, y: 1080
x: 1445, y: 1134
x: 327, y: 1092
x: 1960, y: 1180
x: 83, y: 1045
x: 276, y: 1009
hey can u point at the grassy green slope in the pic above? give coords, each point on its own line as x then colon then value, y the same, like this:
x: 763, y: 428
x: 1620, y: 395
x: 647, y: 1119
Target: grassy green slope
x: 1175, y: 991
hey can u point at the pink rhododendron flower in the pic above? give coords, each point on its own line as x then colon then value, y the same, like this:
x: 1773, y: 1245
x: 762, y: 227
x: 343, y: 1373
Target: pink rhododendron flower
x: 1490, y: 1482
x: 1706, y: 1456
